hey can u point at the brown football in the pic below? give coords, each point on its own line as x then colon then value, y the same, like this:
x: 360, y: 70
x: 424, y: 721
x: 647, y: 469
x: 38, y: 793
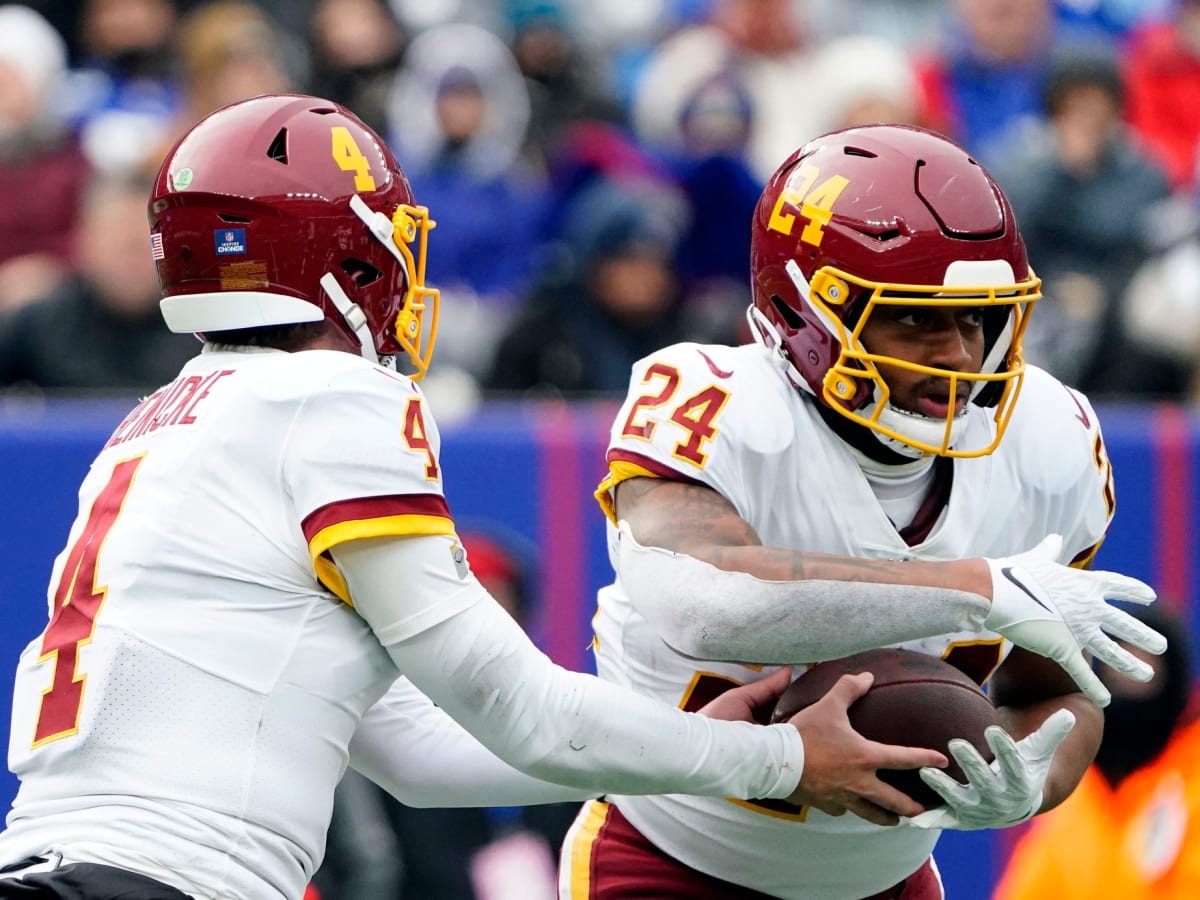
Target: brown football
x: 916, y: 700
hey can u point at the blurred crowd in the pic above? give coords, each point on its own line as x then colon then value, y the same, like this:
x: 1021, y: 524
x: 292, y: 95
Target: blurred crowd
x: 593, y: 167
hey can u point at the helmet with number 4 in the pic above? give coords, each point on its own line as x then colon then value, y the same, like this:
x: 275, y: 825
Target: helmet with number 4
x: 887, y: 215
x: 285, y: 209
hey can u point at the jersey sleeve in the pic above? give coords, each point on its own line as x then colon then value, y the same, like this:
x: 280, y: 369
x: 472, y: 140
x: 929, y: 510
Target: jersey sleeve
x: 361, y: 461
x: 1065, y: 460
x: 690, y: 416
x: 421, y: 756
x: 1096, y: 490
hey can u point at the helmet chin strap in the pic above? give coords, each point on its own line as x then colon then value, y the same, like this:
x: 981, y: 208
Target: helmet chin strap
x: 917, y: 427
x: 352, y: 315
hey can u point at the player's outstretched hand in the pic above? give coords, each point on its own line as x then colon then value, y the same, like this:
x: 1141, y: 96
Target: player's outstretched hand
x: 1059, y: 612
x: 840, y: 764
x: 1004, y: 793
x: 739, y: 704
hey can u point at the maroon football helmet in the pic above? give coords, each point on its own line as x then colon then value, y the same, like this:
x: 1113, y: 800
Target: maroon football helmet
x: 285, y: 209
x: 888, y: 215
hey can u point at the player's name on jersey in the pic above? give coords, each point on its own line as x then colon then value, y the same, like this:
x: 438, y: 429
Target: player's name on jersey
x: 174, y: 404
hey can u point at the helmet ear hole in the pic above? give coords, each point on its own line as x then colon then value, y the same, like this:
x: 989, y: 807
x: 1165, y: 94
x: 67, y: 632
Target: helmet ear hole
x: 362, y: 273
x: 789, y: 315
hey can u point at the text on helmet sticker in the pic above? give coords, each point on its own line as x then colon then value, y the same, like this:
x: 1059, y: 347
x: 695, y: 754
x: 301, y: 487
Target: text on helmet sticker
x: 229, y: 241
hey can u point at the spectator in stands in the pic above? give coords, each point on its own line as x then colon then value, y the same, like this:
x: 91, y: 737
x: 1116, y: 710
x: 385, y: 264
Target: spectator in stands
x: 566, y: 84
x: 866, y: 79
x: 229, y: 50
x: 910, y: 23
x: 766, y: 43
x: 604, y: 299
x: 357, y: 46
x: 39, y: 158
x: 1160, y: 312
x: 1131, y: 829
x: 1115, y: 17
x: 1162, y: 71
x: 710, y: 166
x: 989, y: 73
x: 102, y: 328
x: 1084, y: 193
x: 459, y: 111
x: 126, y: 93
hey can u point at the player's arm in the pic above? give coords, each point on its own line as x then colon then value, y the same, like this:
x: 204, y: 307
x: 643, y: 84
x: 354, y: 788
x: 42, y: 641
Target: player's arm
x: 571, y: 728
x: 1049, y: 734
x: 411, y: 748
x: 720, y: 594
x: 424, y: 758
x: 695, y: 520
x: 699, y: 573
x: 1027, y: 689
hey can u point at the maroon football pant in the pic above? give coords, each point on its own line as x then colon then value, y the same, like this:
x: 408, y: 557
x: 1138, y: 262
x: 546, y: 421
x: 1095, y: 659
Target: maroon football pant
x: 611, y: 860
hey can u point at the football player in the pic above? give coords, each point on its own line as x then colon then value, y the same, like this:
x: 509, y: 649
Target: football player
x: 263, y: 545
x: 862, y: 475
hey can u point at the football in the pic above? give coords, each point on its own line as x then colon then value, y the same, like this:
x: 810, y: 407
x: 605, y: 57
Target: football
x: 916, y: 700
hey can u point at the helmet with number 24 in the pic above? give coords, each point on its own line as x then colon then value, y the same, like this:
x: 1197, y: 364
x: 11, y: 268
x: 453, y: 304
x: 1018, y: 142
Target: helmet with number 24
x: 885, y: 216
x: 285, y: 209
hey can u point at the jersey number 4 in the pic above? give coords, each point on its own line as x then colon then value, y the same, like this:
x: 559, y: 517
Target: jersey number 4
x: 77, y: 600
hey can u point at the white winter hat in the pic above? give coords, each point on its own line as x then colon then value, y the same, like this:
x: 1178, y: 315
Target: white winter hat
x: 33, y: 47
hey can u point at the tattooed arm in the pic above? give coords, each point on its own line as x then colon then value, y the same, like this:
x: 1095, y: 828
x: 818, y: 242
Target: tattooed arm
x: 697, y: 570
x: 696, y: 520
x: 699, y: 573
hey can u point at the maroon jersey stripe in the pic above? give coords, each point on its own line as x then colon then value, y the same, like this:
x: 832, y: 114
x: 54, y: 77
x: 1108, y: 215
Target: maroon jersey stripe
x: 654, y: 467
x: 373, y: 508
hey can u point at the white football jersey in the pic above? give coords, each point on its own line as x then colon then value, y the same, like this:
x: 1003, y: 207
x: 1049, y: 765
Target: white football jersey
x: 728, y: 418
x: 195, y: 691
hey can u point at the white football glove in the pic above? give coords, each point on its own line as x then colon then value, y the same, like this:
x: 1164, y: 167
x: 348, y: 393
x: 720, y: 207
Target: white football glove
x: 1005, y: 793
x: 1058, y: 612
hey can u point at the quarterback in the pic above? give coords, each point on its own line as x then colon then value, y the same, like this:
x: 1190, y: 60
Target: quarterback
x: 264, y: 546
x: 853, y: 479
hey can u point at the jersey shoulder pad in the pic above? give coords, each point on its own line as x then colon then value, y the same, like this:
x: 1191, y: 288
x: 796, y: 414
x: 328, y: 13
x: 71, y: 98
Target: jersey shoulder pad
x: 367, y: 426
x: 1055, y: 434
x: 692, y: 405
x: 340, y: 385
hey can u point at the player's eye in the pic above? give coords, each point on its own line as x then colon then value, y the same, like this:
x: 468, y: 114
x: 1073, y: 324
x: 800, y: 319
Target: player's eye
x: 972, y: 318
x: 914, y: 318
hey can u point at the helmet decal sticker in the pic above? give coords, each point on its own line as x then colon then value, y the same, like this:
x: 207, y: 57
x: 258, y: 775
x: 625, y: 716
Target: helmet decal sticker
x: 229, y: 241
x: 350, y: 159
x: 244, y: 276
x: 815, y: 204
